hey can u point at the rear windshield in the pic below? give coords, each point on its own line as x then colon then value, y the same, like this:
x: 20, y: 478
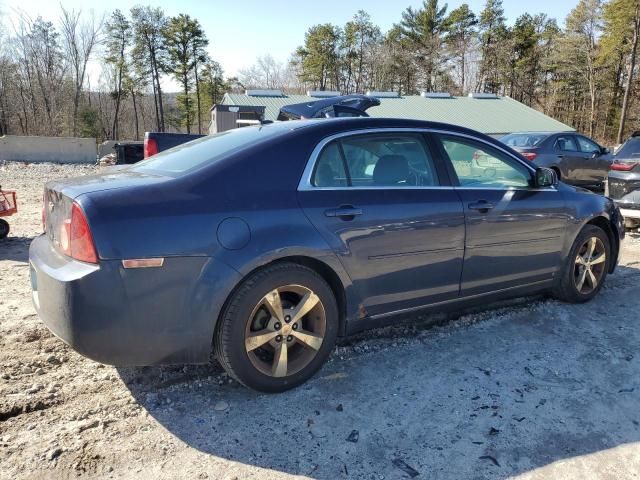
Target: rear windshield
x: 206, y: 150
x: 524, y: 140
x: 630, y: 150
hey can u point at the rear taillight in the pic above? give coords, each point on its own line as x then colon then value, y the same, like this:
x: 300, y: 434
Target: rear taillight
x: 150, y: 147
x: 623, y: 167
x: 529, y: 155
x: 75, y: 237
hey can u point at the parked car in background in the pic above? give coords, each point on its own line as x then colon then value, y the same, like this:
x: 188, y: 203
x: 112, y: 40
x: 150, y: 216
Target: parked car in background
x: 623, y: 184
x: 156, y: 142
x: 576, y: 159
x: 293, y: 233
x: 333, y: 107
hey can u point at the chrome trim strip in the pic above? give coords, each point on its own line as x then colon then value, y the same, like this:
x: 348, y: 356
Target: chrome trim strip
x: 305, y: 180
x: 458, y: 299
x: 418, y: 252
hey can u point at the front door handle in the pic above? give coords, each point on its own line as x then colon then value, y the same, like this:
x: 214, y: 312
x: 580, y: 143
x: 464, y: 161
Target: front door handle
x: 345, y: 212
x: 482, y: 206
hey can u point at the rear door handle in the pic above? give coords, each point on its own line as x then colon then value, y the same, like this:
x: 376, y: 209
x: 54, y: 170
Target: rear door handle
x: 482, y: 206
x: 345, y: 212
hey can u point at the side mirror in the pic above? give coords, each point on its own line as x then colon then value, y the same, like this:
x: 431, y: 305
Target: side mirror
x: 545, y: 177
x: 605, y: 150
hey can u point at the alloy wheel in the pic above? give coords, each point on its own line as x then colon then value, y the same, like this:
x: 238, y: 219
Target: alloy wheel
x: 285, y: 330
x: 590, y: 265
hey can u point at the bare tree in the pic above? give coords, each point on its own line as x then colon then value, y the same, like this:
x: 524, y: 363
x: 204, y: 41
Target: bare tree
x: 79, y: 40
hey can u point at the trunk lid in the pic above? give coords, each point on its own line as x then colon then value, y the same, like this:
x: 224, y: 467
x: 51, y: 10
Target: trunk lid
x: 112, y: 179
x: 59, y: 196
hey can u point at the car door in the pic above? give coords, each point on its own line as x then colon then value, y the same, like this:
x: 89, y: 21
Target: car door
x: 597, y: 162
x: 570, y: 159
x: 389, y: 213
x: 515, y: 232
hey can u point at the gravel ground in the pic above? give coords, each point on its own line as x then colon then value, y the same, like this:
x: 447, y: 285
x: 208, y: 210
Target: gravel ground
x: 530, y: 389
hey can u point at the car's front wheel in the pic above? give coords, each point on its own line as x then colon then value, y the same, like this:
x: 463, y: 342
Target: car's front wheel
x: 586, y: 267
x: 278, y: 328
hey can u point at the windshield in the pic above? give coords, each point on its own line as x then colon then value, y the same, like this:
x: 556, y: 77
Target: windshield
x: 630, y: 150
x: 524, y: 140
x: 206, y: 150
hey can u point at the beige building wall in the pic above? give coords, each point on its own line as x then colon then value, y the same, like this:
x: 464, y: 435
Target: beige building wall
x: 48, y: 149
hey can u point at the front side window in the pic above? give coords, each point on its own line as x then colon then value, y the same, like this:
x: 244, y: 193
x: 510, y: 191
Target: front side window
x: 587, y: 146
x: 481, y: 166
x: 376, y: 160
x: 566, y: 144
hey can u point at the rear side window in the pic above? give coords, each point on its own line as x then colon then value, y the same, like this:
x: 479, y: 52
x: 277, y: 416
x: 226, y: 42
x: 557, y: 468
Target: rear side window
x: 376, y: 160
x: 329, y: 171
x: 206, y: 150
x: 630, y: 149
x: 524, y: 140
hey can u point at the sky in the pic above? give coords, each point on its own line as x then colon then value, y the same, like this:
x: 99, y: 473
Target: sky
x: 239, y: 31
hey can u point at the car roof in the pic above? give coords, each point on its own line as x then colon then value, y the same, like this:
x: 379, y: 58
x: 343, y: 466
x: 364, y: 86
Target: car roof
x: 355, y: 123
x: 324, y: 127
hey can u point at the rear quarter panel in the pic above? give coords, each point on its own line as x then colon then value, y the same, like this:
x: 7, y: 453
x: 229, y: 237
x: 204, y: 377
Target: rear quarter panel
x: 188, y: 217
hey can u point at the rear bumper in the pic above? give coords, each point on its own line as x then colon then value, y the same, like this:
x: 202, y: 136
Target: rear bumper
x: 630, y: 213
x: 127, y: 317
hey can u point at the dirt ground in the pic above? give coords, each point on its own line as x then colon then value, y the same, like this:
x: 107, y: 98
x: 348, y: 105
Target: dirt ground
x: 530, y: 389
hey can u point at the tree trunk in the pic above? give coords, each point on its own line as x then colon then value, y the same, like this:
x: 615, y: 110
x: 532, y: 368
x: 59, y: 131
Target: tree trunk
x: 629, y: 84
x: 155, y: 101
x: 76, y: 101
x: 195, y: 71
x: 185, y: 85
x: 161, y: 108
x: 135, y: 113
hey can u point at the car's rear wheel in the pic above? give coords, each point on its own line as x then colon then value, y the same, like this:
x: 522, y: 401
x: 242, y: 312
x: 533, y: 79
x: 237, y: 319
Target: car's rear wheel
x: 278, y: 328
x: 586, y: 267
x: 4, y: 228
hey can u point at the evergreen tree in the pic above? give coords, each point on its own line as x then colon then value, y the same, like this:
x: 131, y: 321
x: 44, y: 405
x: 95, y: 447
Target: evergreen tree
x: 424, y: 29
x: 460, y: 33
x: 185, y: 41
x: 149, y: 52
x: 118, y: 39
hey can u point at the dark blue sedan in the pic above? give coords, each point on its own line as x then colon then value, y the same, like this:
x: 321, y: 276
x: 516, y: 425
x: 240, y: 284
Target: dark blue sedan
x: 263, y: 244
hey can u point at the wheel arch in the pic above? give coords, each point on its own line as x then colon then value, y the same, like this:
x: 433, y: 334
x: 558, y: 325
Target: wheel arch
x: 604, y: 224
x: 321, y: 267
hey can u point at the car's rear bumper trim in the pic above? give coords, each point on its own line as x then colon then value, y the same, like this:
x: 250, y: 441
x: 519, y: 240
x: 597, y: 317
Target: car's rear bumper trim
x: 630, y: 213
x: 128, y: 317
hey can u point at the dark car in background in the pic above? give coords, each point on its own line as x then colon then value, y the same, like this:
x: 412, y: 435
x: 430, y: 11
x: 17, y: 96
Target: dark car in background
x: 623, y: 184
x: 155, y: 142
x: 263, y: 244
x: 576, y: 159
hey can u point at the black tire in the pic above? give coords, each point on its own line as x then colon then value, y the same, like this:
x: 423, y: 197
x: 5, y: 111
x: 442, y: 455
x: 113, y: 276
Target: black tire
x: 229, y: 340
x: 4, y: 228
x: 567, y: 288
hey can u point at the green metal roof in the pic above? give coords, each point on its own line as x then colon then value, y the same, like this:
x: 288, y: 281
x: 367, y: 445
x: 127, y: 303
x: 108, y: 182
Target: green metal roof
x: 487, y: 115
